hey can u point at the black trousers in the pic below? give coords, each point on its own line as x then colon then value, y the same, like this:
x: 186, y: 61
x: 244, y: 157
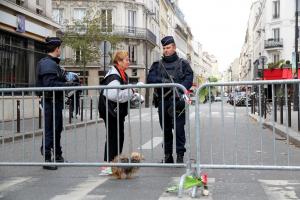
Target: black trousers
x: 113, y: 138
x: 168, y: 126
x: 49, y: 130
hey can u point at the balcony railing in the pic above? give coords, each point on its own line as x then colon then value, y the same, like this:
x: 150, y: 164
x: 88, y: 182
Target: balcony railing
x: 122, y: 31
x: 273, y: 43
x: 135, y: 33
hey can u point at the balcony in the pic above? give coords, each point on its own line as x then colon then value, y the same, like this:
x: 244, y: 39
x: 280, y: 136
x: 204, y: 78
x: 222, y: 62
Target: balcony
x: 135, y: 33
x: 273, y: 43
x: 121, y: 31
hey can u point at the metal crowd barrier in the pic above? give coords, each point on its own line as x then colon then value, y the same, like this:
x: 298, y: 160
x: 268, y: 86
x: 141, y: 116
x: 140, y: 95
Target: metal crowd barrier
x: 82, y: 138
x: 241, y: 130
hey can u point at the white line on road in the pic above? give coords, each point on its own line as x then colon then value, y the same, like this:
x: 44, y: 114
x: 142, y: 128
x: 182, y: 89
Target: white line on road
x: 11, y: 182
x: 156, y: 141
x: 280, y: 189
x: 81, y: 190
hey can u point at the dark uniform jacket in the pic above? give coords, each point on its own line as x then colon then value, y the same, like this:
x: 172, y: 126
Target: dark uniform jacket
x: 50, y: 74
x: 177, y: 68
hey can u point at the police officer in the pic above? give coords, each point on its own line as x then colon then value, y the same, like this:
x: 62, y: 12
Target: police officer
x: 50, y: 74
x: 170, y: 68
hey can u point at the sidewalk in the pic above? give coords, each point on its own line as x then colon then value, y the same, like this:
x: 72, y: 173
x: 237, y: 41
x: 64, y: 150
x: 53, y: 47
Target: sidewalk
x: 282, y: 129
x: 9, y: 128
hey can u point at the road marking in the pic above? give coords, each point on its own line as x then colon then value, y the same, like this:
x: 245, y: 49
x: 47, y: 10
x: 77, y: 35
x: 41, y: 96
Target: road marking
x: 145, y: 117
x: 186, y: 195
x: 156, y: 141
x: 7, y: 183
x: 81, y: 190
x: 280, y: 189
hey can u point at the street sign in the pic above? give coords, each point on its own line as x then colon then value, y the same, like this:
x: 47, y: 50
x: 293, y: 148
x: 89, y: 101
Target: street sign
x: 105, y: 60
x: 105, y: 47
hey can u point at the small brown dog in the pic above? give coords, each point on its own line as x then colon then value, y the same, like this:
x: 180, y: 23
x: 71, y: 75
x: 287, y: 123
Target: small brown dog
x: 126, y: 172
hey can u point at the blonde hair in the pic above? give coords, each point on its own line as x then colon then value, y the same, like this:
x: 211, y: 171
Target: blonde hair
x: 119, y: 56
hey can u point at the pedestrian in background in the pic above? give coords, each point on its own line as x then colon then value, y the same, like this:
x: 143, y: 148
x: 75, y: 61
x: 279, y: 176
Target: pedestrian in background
x: 171, y: 69
x: 50, y: 74
x: 114, y: 123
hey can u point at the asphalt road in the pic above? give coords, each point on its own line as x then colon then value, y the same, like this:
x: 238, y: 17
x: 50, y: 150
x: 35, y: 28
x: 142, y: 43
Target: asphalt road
x: 240, y: 143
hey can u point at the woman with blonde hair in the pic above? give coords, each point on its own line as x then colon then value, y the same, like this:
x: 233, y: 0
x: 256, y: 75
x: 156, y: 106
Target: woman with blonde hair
x: 114, y: 116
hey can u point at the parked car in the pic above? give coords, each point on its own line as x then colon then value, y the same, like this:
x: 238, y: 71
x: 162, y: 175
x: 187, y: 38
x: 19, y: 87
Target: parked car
x: 239, y: 99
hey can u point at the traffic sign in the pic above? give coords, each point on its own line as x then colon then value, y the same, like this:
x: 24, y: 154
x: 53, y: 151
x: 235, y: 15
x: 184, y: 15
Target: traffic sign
x: 105, y: 47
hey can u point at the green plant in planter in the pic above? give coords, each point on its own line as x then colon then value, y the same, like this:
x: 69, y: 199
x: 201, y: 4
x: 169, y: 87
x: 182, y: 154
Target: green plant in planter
x: 287, y: 64
x: 271, y: 66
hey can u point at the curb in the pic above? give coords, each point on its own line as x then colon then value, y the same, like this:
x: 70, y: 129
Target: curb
x: 39, y: 132
x: 281, y: 130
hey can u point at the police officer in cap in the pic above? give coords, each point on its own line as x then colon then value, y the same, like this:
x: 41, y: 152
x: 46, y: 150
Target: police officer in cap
x: 171, y: 69
x: 50, y: 74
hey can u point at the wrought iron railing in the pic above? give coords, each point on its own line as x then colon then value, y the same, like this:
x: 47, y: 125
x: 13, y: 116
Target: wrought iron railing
x: 123, y: 31
x: 273, y: 43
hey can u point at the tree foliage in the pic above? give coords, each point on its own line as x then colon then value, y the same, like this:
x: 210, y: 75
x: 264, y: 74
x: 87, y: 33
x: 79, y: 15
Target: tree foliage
x: 85, y: 36
x: 204, y: 92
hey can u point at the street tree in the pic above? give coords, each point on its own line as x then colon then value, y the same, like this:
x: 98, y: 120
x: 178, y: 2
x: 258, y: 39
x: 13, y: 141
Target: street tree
x: 84, y: 36
x: 204, y: 92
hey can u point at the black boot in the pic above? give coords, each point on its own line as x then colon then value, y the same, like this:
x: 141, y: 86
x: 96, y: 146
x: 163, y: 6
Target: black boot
x: 169, y: 158
x: 180, y: 158
x: 48, y: 160
x: 59, y: 159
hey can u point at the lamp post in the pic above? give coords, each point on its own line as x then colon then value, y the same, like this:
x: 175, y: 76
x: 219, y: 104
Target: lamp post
x: 147, y: 12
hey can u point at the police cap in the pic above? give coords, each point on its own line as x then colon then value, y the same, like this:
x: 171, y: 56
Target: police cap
x: 167, y: 40
x: 53, y: 41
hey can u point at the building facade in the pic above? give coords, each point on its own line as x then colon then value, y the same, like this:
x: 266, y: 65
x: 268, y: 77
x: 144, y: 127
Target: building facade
x: 270, y: 37
x: 136, y: 22
x: 24, y: 25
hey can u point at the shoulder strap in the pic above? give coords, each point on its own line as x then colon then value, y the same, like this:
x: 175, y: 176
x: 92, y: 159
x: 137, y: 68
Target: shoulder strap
x: 179, y: 64
x: 162, y: 66
x: 111, y: 78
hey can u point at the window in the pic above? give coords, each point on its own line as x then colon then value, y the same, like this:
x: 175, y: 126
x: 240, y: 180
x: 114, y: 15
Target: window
x: 131, y: 21
x: 276, y: 34
x: 134, y: 72
x: 57, y: 15
x: 78, y: 14
x: 20, y: 2
x: 106, y: 20
x: 77, y: 56
x: 276, y: 9
x: 39, y: 11
x: 276, y: 58
x: 132, y: 53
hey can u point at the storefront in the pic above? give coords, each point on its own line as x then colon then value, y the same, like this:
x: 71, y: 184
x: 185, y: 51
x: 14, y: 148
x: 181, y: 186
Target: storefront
x: 18, y: 59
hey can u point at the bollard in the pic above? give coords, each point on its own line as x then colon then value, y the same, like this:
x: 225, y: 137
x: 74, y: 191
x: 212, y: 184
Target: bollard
x: 265, y: 107
x: 275, y: 108
x: 91, y: 109
x: 18, y: 116
x: 40, y: 115
x: 281, y: 110
x: 81, y: 108
x: 70, y: 112
x: 252, y: 104
x: 254, y: 99
x: 289, y: 113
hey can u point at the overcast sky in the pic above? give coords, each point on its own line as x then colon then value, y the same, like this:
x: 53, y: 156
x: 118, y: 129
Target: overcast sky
x: 220, y: 26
